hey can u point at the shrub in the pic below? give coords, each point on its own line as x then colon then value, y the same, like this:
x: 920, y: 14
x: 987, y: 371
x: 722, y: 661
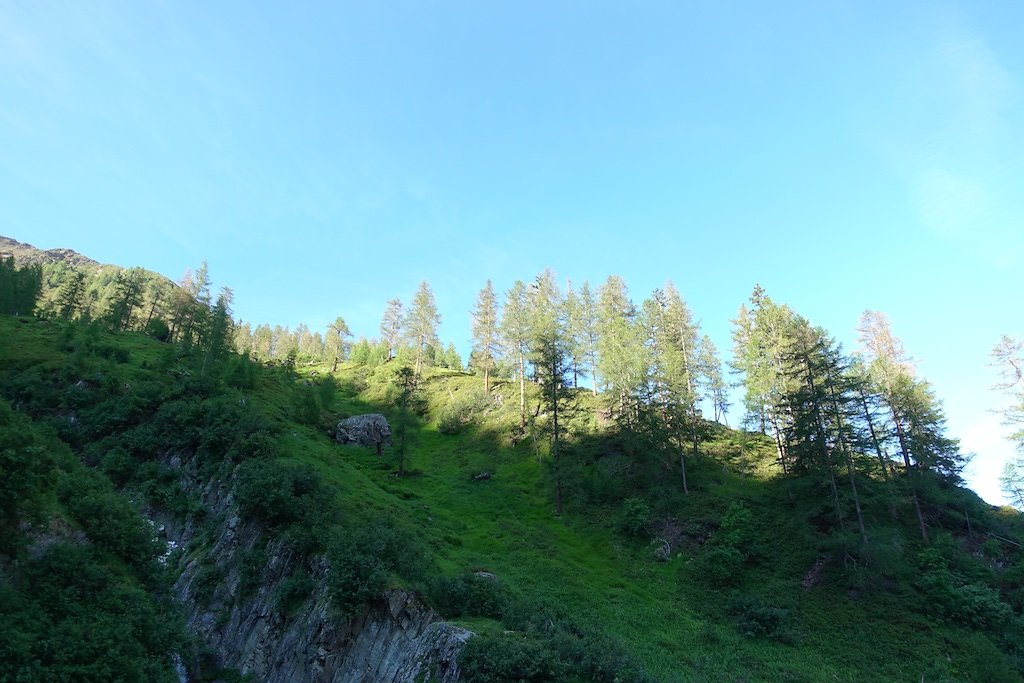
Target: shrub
x: 735, y: 530
x: 719, y: 566
x: 468, y: 595
x: 362, y: 560
x: 292, y: 592
x: 280, y: 495
x: 508, y: 657
x: 634, y: 516
x: 754, y: 618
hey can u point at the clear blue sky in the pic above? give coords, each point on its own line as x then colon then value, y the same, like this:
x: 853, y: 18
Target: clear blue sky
x: 327, y: 157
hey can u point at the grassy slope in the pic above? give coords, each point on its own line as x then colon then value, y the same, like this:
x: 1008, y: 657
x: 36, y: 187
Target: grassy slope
x: 664, y: 613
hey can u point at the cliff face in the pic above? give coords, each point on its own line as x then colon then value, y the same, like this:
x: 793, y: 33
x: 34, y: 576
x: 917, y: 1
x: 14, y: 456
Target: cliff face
x: 397, y: 640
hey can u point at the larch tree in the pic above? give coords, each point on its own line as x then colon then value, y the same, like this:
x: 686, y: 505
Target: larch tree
x: 715, y: 387
x: 820, y: 432
x: 622, y: 361
x: 219, y: 334
x: 127, y: 296
x: 336, y: 341
x: 682, y: 333
x: 391, y: 326
x: 421, y: 325
x: 915, y: 414
x: 760, y: 334
x: 1008, y: 356
x: 515, y: 332
x: 549, y: 355
x: 486, y: 337
x: 70, y: 295
x: 584, y: 333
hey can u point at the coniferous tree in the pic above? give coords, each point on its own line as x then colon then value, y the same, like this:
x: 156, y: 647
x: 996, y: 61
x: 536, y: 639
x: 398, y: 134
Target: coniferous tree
x: 391, y: 326
x: 622, y: 361
x: 263, y: 343
x: 361, y: 352
x: 335, y: 341
x: 70, y: 295
x: 584, y: 333
x: 486, y: 339
x: 819, y: 401
x: 217, y: 341
x: 19, y: 287
x: 127, y: 296
x: 421, y: 325
x: 515, y: 330
x: 760, y: 335
x: 714, y: 385
x: 915, y: 415
x: 1008, y: 355
x: 243, y: 340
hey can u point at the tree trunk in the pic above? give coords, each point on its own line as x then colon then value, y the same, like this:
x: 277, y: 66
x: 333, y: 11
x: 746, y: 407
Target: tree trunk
x: 911, y: 473
x: 554, y: 436
x: 882, y: 460
x: 849, y: 467
x: 780, y: 448
x: 522, y: 391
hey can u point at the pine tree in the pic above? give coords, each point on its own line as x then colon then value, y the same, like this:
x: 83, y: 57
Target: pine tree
x: 486, y: 340
x: 421, y: 325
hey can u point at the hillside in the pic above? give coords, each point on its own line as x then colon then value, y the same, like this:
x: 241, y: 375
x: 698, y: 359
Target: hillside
x: 290, y: 556
x: 750, y: 587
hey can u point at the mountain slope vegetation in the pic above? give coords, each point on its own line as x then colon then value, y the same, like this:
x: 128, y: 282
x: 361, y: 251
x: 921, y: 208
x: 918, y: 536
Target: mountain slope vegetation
x: 575, y: 552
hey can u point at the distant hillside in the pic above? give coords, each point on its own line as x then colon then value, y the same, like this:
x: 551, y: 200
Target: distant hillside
x: 28, y: 255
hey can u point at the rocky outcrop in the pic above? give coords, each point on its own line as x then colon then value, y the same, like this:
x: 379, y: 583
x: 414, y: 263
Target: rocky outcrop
x: 397, y: 640
x: 365, y: 430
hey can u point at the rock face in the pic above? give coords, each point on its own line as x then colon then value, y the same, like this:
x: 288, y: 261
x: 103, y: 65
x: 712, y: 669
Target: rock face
x: 365, y: 430
x: 397, y: 640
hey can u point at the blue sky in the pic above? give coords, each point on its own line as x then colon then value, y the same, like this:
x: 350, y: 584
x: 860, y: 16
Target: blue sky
x: 325, y: 158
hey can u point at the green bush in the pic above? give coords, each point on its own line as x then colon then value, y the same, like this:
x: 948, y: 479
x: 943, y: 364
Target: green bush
x: 634, y: 516
x: 107, y: 518
x: 754, y: 619
x: 735, y: 530
x: 292, y: 592
x: 509, y: 658
x: 468, y: 595
x: 362, y: 560
x: 280, y: 495
x: 719, y: 566
x: 948, y: 595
